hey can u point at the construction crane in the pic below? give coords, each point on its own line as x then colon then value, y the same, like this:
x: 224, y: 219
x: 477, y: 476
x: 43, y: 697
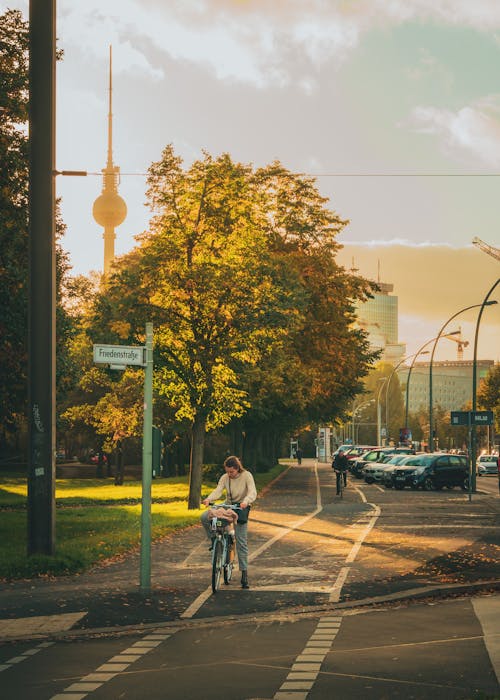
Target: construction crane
x: 461, y: 344
x: 494, y: 252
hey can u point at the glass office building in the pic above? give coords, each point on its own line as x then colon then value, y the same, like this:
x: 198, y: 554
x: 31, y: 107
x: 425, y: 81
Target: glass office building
x: 379, y: 318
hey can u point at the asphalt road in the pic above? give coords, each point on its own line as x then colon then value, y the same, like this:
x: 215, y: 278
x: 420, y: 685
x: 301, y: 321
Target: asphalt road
x: 321, y: 618
x: 414, y: 652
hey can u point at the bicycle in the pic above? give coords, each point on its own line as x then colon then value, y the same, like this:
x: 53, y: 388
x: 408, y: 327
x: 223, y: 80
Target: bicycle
x: 340, y: 476
x: 223, y: 548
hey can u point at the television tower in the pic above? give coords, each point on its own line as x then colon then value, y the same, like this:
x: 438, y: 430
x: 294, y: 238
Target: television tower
x: 109, y: 208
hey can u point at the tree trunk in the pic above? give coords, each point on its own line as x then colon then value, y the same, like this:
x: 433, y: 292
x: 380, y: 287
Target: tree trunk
x: 196, y: 461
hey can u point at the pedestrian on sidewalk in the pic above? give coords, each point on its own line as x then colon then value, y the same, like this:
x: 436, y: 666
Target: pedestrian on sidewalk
x: 298, y: 454
x: 340, y: 464
x: 239, y: 486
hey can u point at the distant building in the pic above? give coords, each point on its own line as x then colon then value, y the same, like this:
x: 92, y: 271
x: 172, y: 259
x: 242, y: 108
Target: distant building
x: 379, y: 318
x: 451, y: 383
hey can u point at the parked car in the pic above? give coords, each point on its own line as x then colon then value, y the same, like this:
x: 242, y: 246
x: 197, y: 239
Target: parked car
x: 375, y: 455
x: 404, y: 473
x: 487, y: 464
x: 439, y: 470
x: 357, y: 451
x: 374, y: 472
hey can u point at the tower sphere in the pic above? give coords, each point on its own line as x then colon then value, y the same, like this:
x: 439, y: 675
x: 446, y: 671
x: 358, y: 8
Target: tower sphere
x: 109, y: 209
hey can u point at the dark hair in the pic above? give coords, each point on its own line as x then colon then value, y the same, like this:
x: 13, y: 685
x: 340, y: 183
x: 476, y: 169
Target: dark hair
x: 234, y: 463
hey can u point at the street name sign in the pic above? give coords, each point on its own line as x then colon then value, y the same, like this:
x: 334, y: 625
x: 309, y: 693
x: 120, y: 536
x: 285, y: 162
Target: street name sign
x: 120, y: 355
x: 471, y: 417
x: 482, y: 417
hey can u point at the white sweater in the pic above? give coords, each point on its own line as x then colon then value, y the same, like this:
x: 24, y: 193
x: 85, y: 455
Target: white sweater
x: 242, y: 488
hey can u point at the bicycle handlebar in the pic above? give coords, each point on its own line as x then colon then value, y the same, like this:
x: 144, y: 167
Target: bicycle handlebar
x: 230, y: 506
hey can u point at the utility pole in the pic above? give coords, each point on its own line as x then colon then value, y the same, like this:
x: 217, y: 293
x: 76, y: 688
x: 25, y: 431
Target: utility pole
x: 42, y: 274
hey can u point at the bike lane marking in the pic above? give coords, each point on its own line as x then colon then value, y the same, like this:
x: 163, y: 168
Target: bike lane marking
x: 113, y: 666
x: 307, y: 665
x: 25, y: 655
x: 304, y: 672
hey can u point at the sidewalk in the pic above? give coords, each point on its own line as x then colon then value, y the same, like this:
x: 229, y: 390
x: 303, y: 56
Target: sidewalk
x: 107, y: 599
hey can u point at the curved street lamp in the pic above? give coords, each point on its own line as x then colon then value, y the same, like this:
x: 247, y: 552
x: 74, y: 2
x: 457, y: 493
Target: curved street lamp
x: 439, y: 335
x: 474, y: 383
x: 407, y: 399
x: 354, y: 412
x: 408, y: 357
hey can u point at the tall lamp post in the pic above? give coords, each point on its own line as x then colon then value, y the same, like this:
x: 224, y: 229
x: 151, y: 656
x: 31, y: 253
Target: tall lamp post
x: 407, y: 399
x: 474, y: 383
x: 439, y: 335
x: 356, y: 410
x: 408, y: 357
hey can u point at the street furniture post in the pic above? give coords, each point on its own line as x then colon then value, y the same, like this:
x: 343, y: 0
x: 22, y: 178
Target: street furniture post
x: 147, y: 467
x: 42, y: 276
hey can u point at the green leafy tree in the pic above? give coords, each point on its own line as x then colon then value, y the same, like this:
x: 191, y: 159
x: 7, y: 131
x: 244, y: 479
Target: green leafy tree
x: 204, y: 277
x: 14, y: 179
x: 321, y: 368
x: 489, y: 394
x: 13, y: 219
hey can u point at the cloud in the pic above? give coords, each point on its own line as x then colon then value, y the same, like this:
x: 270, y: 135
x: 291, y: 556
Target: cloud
x: 472, y: 130
x: 247, y: 40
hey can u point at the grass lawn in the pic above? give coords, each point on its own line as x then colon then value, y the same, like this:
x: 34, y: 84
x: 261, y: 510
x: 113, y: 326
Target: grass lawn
x: 95, y: 521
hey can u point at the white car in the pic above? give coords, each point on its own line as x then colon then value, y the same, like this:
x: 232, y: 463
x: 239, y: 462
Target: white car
x: 374, y: 471
x: 487, y: 464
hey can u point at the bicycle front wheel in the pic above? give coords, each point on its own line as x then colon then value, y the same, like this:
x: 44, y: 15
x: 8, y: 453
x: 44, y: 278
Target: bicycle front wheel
x: 228, y: 568
x: 216, y: 565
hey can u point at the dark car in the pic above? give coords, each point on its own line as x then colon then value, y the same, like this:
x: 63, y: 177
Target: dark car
x: 439, y: 470
x: 404, y: 473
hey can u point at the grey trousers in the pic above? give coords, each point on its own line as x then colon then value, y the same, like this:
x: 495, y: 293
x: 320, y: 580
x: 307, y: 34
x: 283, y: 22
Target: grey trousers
x: 241, y: 530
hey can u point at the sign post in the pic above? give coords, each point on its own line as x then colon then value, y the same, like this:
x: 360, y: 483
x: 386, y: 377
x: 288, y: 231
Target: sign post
x: 147, y: 466
x: 118, y: 357
x: 471, y: 419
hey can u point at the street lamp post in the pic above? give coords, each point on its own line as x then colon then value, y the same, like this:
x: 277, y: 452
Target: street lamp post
x: 356, y: 410
x: 439, y: 335
x: 389, y: 381
x: 474, y: 383
x: 379, y: 416
x: 407, y: 399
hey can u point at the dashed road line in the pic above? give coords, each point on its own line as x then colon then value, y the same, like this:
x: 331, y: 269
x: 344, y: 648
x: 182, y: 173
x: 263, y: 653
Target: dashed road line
x: 307, y: 666
x: 25, y: 655
x: 113, y: 666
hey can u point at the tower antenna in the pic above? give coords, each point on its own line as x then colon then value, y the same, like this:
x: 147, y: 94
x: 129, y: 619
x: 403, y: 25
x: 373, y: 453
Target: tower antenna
x: 109, y: 208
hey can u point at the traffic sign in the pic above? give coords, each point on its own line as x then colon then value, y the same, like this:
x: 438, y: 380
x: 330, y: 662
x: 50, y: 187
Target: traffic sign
x: 471, y: 417
x: 459, y: 417
x: 120, y: 355
x: 482, y: 417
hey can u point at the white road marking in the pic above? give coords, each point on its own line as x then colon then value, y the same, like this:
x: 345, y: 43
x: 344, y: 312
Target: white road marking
x: 114, y: 665
x: 25, y: 655
x: 304, y: 671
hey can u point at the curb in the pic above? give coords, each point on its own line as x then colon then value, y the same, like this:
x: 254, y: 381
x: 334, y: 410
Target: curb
x: 290, y: 615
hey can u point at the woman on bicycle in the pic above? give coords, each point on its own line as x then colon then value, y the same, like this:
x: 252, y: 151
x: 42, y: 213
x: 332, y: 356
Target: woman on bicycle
x: 239, y: 485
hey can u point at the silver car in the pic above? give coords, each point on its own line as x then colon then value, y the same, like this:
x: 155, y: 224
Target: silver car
x: 487, y: 464
x: 374, y: 471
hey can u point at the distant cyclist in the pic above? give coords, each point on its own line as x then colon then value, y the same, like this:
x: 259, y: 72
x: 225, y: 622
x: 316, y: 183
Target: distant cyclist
x: 340, y: 464
x: 239, y: 485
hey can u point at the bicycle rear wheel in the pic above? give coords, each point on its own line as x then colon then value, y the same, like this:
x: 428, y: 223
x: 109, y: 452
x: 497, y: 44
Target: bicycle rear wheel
x: 216, y: 565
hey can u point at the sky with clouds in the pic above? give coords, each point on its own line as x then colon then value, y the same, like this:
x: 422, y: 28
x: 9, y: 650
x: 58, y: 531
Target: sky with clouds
x: 393, y: 104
